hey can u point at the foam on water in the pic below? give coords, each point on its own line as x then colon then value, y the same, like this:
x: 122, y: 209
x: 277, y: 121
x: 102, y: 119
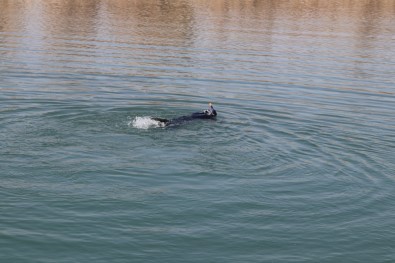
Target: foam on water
x: 145, y: 123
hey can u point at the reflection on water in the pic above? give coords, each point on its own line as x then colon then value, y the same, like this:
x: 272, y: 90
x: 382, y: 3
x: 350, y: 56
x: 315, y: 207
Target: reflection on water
x: 335, y: 30
x: 185, y: 22
x: 158, y: 45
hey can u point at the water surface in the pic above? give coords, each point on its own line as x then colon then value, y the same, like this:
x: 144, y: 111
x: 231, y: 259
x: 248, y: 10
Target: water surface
x: 298, y: 167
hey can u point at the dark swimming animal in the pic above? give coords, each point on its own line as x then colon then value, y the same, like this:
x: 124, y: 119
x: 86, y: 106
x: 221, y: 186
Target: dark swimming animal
x: 210, y: 113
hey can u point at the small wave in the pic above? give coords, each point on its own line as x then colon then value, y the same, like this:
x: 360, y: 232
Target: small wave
x: 145, y: 123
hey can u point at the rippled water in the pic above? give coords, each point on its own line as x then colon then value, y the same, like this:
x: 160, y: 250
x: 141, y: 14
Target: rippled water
x: 299, y: 165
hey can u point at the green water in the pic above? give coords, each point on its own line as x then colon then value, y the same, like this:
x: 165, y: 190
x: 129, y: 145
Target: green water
x: 299, y: 165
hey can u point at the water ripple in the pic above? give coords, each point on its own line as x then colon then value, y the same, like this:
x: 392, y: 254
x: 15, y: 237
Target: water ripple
x: 297, y: 167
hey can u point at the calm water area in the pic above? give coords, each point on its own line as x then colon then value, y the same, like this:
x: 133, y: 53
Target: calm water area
x: 298, y: 166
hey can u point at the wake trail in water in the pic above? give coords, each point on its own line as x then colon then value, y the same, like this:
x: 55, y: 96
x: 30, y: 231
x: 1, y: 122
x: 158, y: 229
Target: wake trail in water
x: 145, y: 122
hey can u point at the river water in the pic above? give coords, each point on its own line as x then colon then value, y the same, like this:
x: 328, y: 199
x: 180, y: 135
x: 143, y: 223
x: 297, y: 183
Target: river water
x: 299, y: 165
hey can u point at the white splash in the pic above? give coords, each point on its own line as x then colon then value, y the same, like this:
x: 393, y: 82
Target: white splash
x: 145, y: 123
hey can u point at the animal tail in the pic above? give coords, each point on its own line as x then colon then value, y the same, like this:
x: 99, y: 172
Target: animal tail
x: 165, y: 121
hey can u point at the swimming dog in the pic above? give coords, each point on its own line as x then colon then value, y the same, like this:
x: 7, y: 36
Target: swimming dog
x: 210, y: 113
